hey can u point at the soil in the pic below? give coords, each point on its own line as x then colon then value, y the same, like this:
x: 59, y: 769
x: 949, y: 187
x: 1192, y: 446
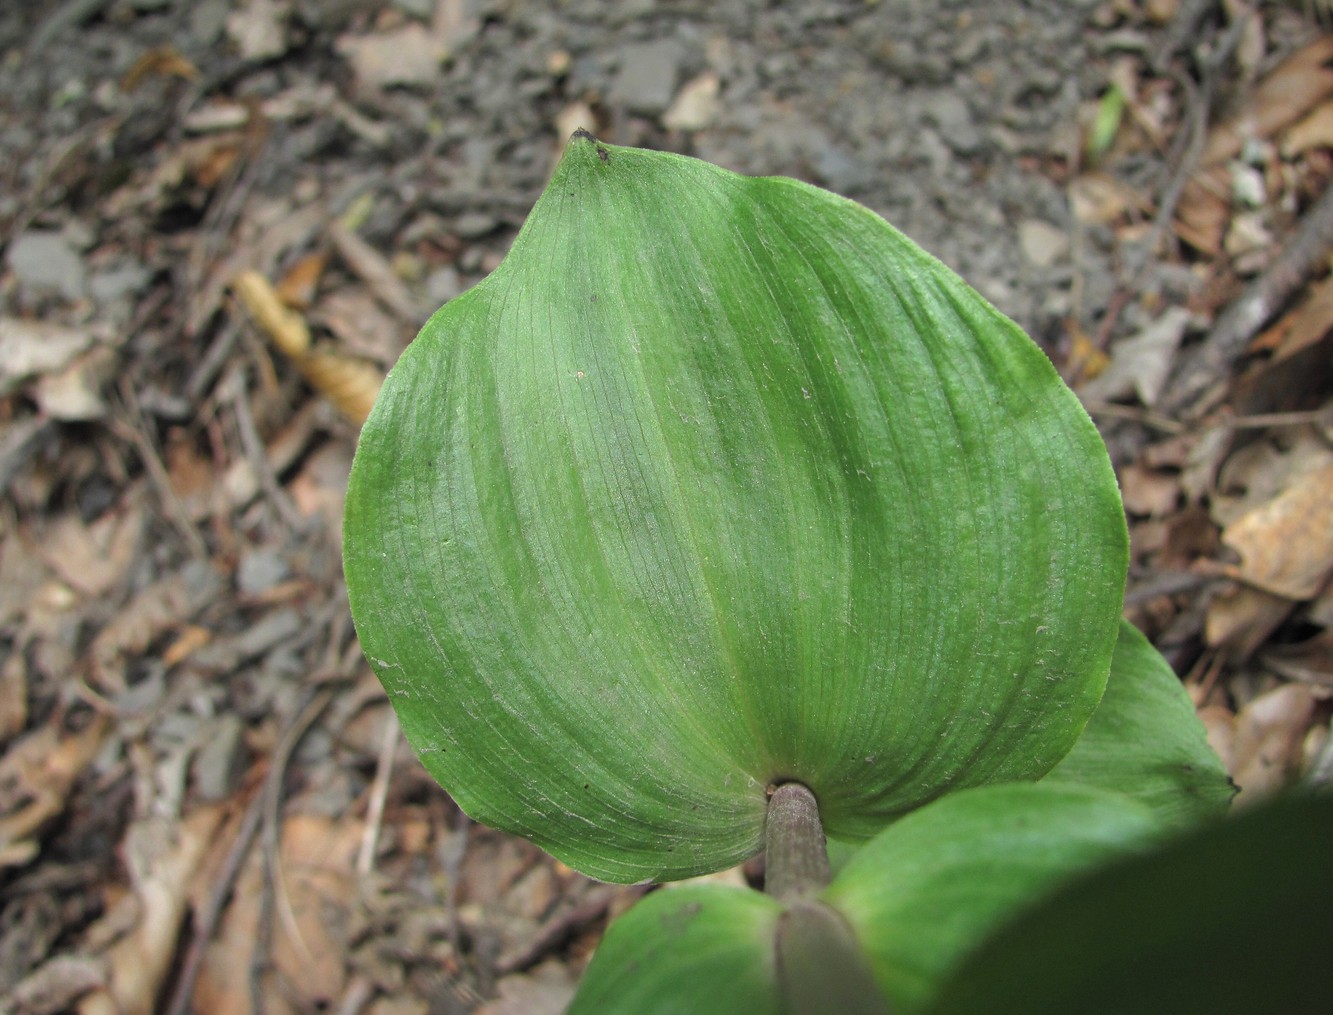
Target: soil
x: 205, y: 803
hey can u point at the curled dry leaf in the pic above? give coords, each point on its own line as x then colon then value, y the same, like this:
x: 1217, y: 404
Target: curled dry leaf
x: 163, y: 605
x: 1296, y: 87
x: 93, y: 558
x: 1240, y: 619
x: 163, y: 860
x: 1286, y: 545
x: 1268, y: 738
x: 36, y: 776
x: 315, y: 891
x: 1141, y: 364
x: 350, y: 384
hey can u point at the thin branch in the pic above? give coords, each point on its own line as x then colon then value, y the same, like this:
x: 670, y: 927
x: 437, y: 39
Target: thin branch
x: 1213, y: 359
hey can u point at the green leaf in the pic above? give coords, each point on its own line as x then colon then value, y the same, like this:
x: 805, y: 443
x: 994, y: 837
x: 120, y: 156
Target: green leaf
x: 1145, y: 740
x: 697, y: 948
x: 1235, y: 916
x: 927, y: 890
x: 718, y: 482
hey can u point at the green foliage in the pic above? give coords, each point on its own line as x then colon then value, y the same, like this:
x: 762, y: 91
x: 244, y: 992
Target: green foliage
x: 1145, y: 741
x: 694, y: 948
x: 1234, y: 916
x: 718, y: 482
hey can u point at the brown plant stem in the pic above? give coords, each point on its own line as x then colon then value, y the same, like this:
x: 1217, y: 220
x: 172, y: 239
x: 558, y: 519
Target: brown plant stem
x: 820, y: 964
x: 796, y: 858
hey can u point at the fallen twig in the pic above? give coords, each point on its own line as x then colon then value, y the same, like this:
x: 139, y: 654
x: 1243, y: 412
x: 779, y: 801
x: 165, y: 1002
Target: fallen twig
x: 1189, y: 393
x: 555, y: 931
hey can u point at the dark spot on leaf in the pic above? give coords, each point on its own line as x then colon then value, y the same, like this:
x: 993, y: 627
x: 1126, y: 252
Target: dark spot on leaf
x: 585, y: 785
x: 594, y: 299
x: 603, y: 154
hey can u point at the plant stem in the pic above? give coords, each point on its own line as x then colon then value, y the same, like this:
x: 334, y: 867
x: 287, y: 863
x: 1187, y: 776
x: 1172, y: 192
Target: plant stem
x: 796, y: 857
x: 821, y: 967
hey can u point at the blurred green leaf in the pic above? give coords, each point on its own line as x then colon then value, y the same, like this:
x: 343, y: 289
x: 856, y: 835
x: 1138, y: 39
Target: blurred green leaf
x: 697, y: 948
x: 1106, y: 123
x: 718, y: 482
x: 1145, y: 740
x: 926, y: 891
x: 1235, y: 916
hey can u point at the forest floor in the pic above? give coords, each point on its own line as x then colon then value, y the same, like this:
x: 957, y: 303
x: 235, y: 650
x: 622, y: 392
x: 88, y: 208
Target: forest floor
x: 205, y: 802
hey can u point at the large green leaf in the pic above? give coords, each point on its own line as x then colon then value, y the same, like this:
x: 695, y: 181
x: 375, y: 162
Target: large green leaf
x: 717, y: 482
x: 697, y: 948
x: 1145, y: 740
x: 926, y: 891
x: 1235, y: 916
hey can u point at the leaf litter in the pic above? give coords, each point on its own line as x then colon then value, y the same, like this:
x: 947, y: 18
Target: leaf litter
x: 198, y: 809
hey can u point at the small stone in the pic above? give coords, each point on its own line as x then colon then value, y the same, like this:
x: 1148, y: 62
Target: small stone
x: 217, y: 766
x: 697, y: 104
x: 46, y: 264
x: 953, y: 119
x: 420, y: 9
x: 474, y: 224
x: 646, y: 80
x: 111, y: 285
x: 258, y: 571
x: 443, y: 284
x: 1043, y: 244
x: 258, y: 30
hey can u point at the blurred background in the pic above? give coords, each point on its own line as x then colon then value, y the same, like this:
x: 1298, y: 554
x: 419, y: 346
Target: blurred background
x: 221, y: 222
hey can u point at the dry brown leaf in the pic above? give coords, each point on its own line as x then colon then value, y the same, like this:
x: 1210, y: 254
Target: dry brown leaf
x: 163, y: 859
x: 94, y: 558
x: 1140, y: 364
x: 1147, y: 492
x: 1315, y: 131
x: 37, y: 348
x: 312, y: 906
x: 375, y: 270
x: 22, y: 574
x: 1298, y: 85
x: 1259, y: 472
x: 1219, y: 724
x: 162, y: 61
x: 1086, y: 361
x: 1269, y: 735
x: 1309, y: 322
x: 191, y: 638
x: 55, y: 985
x: 1240, y: 620
x: 350, y: 384
x: 1098, y: 199
x: 1204, y: 211
x: 284, y: 326
x: 74, y: 394
x: 407, y: 55
x: 321, y: 486
x: 360, y: 325
x: 1309, y: 661
x: 547, y: 990
x: 164, y: 604
x: 13, y: 695
x: 298, y: 285
x: 36, y: 776
x: 1286, y: 545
